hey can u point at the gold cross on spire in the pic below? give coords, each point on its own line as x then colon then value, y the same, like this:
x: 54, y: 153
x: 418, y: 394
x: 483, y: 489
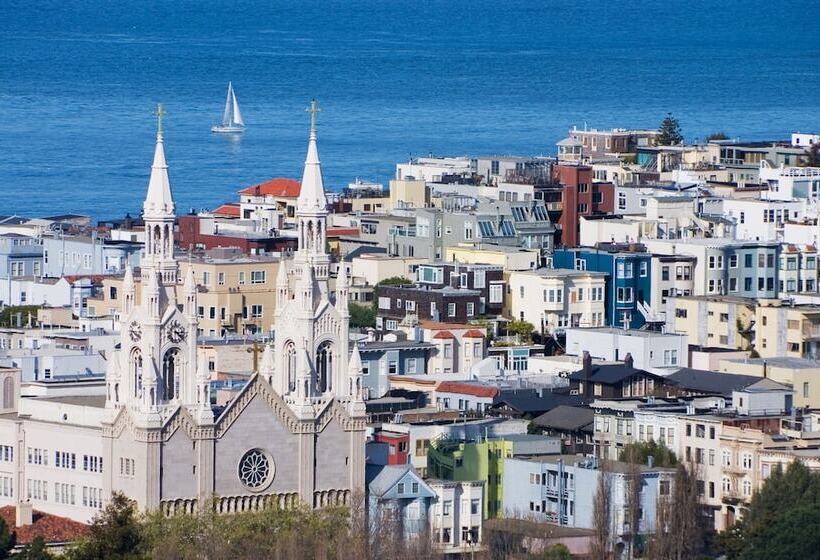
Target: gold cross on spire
x: 159, y: 113
x: 314, y: 111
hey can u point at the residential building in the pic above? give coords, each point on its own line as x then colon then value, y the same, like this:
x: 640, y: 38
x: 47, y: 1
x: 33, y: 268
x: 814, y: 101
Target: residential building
x: 67, y: 255
x: 573, y: 424
x: 628, y: 280
x: 509, y: 258
x: 486, y: 279
x: 600, y: 143
x: 561, y: 489
x: 614, y: 381
x: 798, y: 270
x: 399, y: 501
x: 409, y: 194
x: 466, y: 397
x: 580, y: 196
x: 653, y: 351
x: 20, y: 256
x: 382, y: 359
x: 555, y: 299
x: 456, y: 522
x: 713, y: 321
x: 457, y: 305
x: 787, y: 330
x: 270, y: 203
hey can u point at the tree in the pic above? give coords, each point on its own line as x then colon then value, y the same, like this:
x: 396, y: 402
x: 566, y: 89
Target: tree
x: 670, y: 131
x: 787, y: 537
x: 36, y: 550
x: 639, y: 452
x: 13, y: 316
x: 812, y: 157
x: 717, y: 136
x: 115, y: 534
x: 783, y: 493
x: 6, y: 539
x: 522, y: 329
x: 679, y: 529
x: 601, y: 546
x: 395, y: 281
x: 361, y: 317
x: 555, y: 552
x: 633, y: 482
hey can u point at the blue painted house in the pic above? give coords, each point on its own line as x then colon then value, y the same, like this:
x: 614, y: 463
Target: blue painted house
x: 398, y: 497
x: 381, y: 359
x: 628, y: 281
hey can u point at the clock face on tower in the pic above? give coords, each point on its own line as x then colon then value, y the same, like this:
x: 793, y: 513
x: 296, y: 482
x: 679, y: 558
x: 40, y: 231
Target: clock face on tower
x: 135, y: 331
x: 176, y: 332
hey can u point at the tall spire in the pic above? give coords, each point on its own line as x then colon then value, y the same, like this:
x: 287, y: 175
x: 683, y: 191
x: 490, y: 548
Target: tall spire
x: 159, y: 200
x: 312, y: 194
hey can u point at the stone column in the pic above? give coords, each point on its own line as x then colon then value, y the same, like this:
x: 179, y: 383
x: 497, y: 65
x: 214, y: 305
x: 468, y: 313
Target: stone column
x: 307, y: 453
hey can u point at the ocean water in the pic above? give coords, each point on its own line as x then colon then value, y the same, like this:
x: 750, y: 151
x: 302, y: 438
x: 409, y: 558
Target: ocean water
x: 79, y: 81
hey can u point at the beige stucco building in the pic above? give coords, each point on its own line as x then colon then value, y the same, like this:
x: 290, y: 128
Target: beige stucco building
x: 552, y: 299
x: 720, y: 322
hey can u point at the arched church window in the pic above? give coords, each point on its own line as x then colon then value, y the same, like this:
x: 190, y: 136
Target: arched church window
x: 171, y: 371
x: 324, y: 367
x: 136, y: 371
x: 290, y: 365
x: 309, y: 235
x: 168, y: 249
x: 8, y: 392
x: 157, y: 239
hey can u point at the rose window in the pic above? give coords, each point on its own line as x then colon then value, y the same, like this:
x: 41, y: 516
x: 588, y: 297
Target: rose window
x: 255, y: 469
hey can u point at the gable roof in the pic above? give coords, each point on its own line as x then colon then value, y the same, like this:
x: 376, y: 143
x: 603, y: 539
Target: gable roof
x: 569, y: 418
x: 280, y: 186
x: 473, y: 333
x: 443, y: 335
x: 610, y: 374
x: 473, y: 389
x: 391, y: 475
x: 705, y: 381
x: 530, y: 402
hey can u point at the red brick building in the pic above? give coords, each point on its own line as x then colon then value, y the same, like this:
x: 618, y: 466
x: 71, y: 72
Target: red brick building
x: 580, y: 197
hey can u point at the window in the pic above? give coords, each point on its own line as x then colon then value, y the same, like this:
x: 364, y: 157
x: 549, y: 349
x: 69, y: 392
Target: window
x: 92, y: 463
x: 6, y: 453
x: 256, y: 311
x: 470, y: 309
x: 445, y: 510
x: 258, y: 276
x: 451, y: 309
x: 206, y: 278
x: 220, y: 278
x: 400, y: 488
x: 644, y: 268
x: 392, y: 367
x: 65, y: 460
x: 747, y: 461
x: 665, y: 273
x: 496, y: 293
x: 411, y: 365
x: 241, y: 277
x: 625, y: 295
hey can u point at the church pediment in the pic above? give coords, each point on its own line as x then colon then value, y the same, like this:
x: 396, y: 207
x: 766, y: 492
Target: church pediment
x: 336, y: 411
x: 258, y: 387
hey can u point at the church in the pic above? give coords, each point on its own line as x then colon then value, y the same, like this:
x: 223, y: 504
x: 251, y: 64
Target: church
x: 294, y: 434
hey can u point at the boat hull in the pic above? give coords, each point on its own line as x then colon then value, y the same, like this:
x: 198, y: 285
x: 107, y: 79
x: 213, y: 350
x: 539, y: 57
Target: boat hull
x: 227, y: 129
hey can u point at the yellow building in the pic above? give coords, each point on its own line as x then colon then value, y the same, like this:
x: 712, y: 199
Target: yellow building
x: 511, y: 258
x: 787, y: 330
x: 718, y: 322
x: 406, y: 193
x: 237, y: 292
x: 802, y: 374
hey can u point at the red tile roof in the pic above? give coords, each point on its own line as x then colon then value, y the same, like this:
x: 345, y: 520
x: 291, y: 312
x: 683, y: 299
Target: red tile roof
x: 473, y: 333
x: 467, y: 389
x: 443, y: 335
x: 286, y: 188
x: 53, y: 528
x: 230, y: 210
x: 334, y: 231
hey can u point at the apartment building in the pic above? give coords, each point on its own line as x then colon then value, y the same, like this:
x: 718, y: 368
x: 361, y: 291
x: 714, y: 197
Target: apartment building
x: 653, y: 351
x: 762, y: 220
x: 486, y: 279
x: 580, y: 196
x: 20, y: 256
x: 787, y: 330
x: 798, y: 270
x: 713, y: 321
x: 508, y: 258
x: 456, y: 305
x: 554, y: 299
x: 628, y: 280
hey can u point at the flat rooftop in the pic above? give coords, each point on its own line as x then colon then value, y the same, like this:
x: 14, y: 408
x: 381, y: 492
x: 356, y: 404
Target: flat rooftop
x: 94, y: 401
x: 624, y: 332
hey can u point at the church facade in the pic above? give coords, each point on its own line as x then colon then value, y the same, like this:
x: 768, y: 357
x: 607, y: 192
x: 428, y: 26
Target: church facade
x: 294, y: 434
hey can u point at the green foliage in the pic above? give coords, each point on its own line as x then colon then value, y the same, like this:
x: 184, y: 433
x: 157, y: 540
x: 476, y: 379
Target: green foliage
x: 555, y: 552
x: 36, y: 550
x: 670, y: 131
x: 6, y: 539
x: 361, y: 316
x: 8, y: 315
x: 115, y: 534
x: 395, y: 281
x: 717, y: 136
x: 521, y: 328
x: 640, y: 451
x: 812, y: 157
x: 786, y: 504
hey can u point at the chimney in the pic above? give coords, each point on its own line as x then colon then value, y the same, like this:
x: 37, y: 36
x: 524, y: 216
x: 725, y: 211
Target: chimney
x: 25, y: 514
x: 765, y: 367
x: 650, y: 461
x: 628, y: 360
x: 586, y: 361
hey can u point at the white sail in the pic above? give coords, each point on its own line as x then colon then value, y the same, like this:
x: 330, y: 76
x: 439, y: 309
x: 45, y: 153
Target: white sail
x: 226, y: 115
x: 237, y: 115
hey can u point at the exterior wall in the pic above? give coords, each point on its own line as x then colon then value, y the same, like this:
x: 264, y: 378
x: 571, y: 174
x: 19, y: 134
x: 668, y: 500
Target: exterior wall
x: 712, y: 322
x: 648, y: 350
x: 426, y: 304
x: 671, y: 276
x: 787, y: 331
x: 464, y: 510
x: 409, y: 194
x: 375, y: 268
x: 379, y: 364
x: 628, y: 277
x: 552, y: 300
x: 64, y: 256
x: 512, y: 259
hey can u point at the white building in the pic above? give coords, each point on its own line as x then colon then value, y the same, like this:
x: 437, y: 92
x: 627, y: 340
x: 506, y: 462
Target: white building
x: 553, y: 299
x: 804, y: 140
x: 432, y: 169
x: 660, y: 353
x: 294, y: 434
x: 762, y: 220
x: 789, y: 183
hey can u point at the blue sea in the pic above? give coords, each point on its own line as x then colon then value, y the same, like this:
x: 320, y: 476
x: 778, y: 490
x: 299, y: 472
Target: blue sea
x: 79, y: 81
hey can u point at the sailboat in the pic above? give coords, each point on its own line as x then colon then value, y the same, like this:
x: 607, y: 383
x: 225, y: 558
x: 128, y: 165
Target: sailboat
x: 231, y: 118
